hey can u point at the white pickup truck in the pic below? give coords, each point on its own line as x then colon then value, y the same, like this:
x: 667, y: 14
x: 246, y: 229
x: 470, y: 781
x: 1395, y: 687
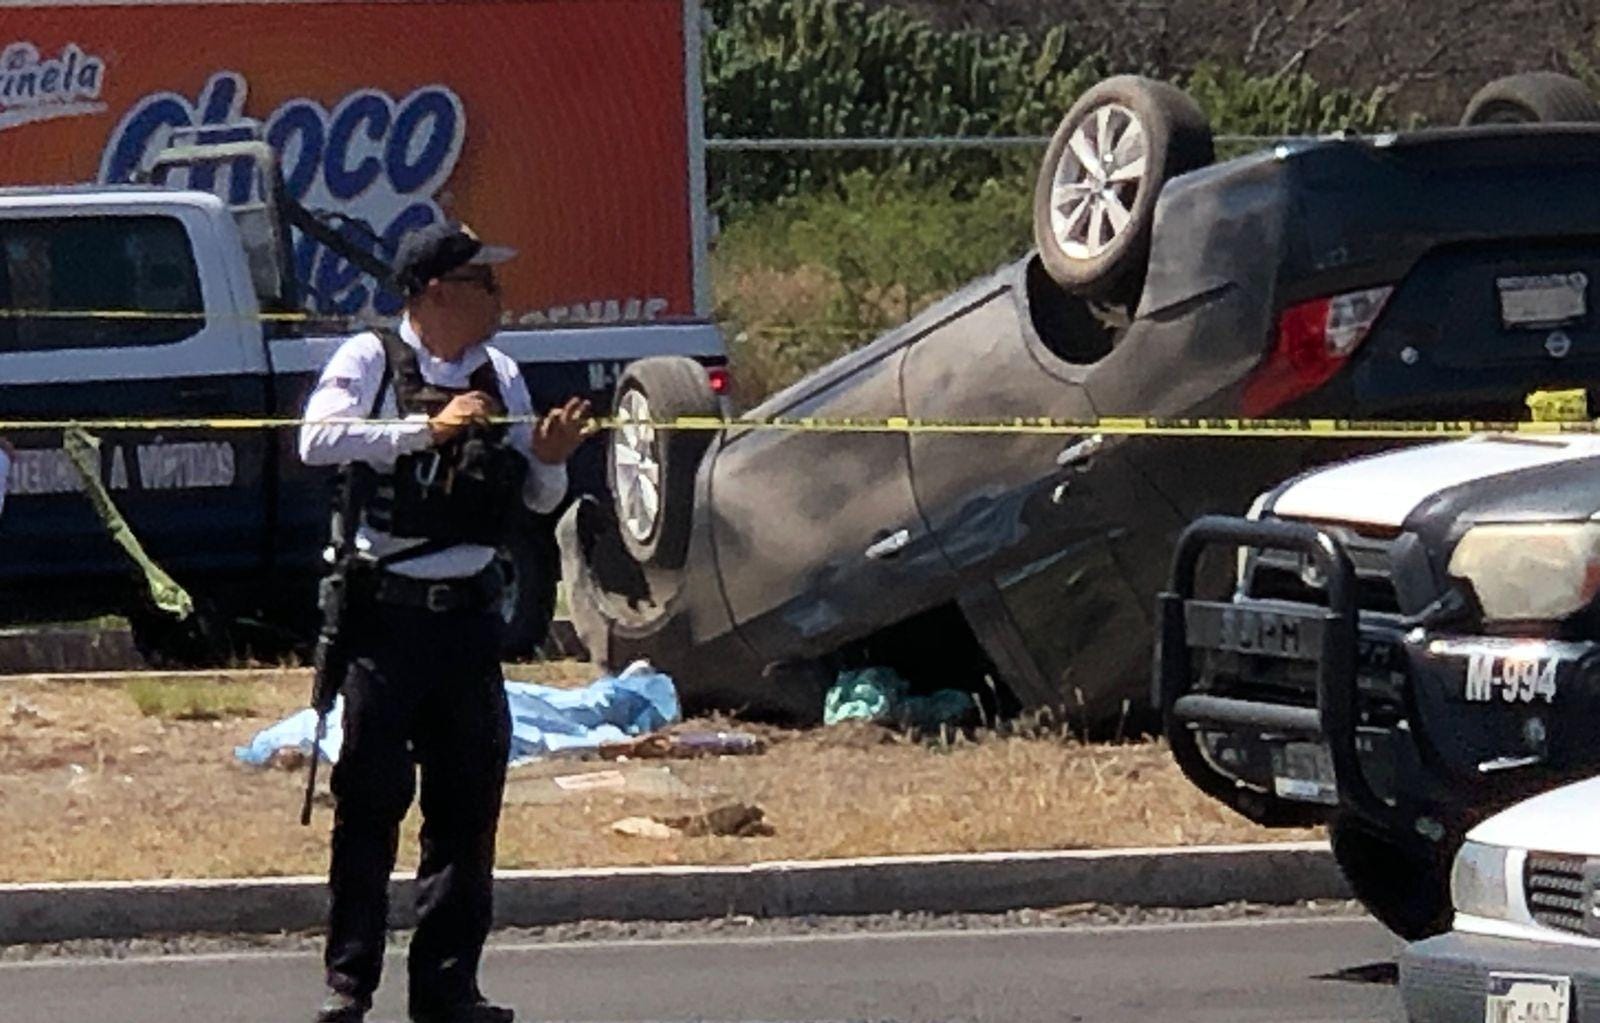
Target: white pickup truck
x: 1525, y: 947
x: 211, y: 328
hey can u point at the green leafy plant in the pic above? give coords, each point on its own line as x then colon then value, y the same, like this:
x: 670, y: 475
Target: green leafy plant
x: 836, y: 68
x: 822, y: 250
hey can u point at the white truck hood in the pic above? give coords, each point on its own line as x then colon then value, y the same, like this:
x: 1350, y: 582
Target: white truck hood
x: 1564, y: 820
x: 1381, y: 490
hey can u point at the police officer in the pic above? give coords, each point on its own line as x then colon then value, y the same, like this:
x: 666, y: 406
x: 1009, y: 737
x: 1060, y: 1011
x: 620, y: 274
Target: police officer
x: 438, y: 484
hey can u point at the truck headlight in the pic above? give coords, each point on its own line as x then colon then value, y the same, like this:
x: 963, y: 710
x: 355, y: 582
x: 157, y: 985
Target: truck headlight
x: 1538, y: 572
x: 1478, y: 881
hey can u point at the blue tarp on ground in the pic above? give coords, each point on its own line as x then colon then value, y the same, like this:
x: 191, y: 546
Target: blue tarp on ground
x: 544, y: 720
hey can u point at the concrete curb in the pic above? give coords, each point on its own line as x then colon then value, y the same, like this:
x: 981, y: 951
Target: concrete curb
x: 64, y: 650
x: 60, y: 651
x: 978, y: 883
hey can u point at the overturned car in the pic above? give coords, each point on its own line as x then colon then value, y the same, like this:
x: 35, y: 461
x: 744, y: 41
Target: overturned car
x: 1413, y: 644
x: 1348, y: 277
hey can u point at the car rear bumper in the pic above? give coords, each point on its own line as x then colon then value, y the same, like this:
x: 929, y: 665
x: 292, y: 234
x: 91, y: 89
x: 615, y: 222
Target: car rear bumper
x: 1447, y: 979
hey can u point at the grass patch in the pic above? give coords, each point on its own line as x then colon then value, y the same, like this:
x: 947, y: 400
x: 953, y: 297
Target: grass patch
x: 191, y: 699
x: 94, y: 787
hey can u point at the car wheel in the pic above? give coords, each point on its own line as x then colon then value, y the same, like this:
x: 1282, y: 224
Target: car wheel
x: 1404, y: 886
x: 531, y: 565
x: 1539, y: 96
x: 604, y: 582
x: 651, y: 471
x: 1095, y: 200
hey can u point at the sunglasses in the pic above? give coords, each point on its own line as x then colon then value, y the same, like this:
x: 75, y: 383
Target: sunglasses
x: 485, y: 280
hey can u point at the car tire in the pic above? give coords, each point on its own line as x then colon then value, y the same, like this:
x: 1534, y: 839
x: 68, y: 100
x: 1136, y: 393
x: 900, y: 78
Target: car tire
x: 531, y: 566
x: 1535, y: 97
x: 1406, y: 887
x: 1099, y: 143
x: 602, y: 579
x: 651, y: 472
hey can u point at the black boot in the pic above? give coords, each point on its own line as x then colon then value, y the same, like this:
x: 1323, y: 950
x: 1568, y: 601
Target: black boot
x: 339, y: 1007
x: 479, y: 1011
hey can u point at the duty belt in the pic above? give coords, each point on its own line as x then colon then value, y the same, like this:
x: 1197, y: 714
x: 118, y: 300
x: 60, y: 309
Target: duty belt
x: 475, y: 593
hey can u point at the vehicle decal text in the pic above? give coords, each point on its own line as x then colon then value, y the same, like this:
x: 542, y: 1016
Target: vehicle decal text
x: 1510, y: 678
x: 186, y: 465
x: 1260, y: 632
x: 35, y: 88
x: 373, y: 157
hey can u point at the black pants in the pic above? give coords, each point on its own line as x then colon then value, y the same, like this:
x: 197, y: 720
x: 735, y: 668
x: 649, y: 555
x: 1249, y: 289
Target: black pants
x: 425, y: 690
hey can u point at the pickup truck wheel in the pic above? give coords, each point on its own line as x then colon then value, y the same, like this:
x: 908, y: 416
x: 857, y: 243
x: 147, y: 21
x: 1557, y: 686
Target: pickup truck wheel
x: 651, y: 471
x: 1535, y: 97
x: 531, y: 565
x: 200, y: 641
x: 1405, y: 887
x: 1095, y: 201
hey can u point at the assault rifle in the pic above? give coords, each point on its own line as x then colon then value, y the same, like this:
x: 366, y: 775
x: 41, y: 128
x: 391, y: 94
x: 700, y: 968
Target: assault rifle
x: 332, y: 659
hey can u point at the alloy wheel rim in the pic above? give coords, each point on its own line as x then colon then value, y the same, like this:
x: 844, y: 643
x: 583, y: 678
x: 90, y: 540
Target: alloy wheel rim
x: 1097, y: 181
x: 636, y: 457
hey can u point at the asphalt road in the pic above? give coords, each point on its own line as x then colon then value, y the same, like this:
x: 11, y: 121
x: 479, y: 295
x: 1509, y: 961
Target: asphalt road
x: 1283, y: 971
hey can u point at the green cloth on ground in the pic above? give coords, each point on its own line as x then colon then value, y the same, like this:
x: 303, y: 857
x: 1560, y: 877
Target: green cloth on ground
x: 83, y: 449
x: 880, y: 695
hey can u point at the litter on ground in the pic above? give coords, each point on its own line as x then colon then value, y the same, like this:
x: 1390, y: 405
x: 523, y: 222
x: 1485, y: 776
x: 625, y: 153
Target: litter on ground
x: 685, y: 745
x: 881, y: 696
x: 736, y: 820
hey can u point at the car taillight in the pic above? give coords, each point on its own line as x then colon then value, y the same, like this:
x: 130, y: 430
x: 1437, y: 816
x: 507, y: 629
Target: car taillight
x: 1315, y: 339
x: 721, y: 379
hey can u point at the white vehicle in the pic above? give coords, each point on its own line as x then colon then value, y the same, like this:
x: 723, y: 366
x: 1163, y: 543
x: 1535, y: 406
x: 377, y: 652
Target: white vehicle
x: 1525, y: 947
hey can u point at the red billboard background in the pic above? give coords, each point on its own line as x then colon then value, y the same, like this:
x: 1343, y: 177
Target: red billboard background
x: 573, y: 142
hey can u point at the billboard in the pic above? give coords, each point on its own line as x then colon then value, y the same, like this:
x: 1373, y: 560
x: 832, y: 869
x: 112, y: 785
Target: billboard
x: 565, y: 128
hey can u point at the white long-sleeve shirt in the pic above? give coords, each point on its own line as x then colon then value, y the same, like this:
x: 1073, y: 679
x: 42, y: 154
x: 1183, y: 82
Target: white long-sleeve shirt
x: 348, y: 389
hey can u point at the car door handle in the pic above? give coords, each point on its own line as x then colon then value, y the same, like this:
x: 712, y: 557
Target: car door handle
x: 1080, y: 453
x: 889, y: 545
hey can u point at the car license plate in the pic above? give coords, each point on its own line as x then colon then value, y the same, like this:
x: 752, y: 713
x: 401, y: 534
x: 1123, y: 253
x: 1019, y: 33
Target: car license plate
x: 1523, y: 998
x: 1303, y: 771
x: 1544, y: 300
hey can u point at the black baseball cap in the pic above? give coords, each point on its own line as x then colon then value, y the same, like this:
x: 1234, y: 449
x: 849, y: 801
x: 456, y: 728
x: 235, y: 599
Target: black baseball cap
x: 432, y: 252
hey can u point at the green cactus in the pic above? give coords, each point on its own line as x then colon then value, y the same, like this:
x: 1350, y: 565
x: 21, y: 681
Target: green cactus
x: 835, y: 68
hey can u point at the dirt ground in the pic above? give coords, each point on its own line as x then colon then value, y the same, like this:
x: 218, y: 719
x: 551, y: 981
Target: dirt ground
x: 94, y: 788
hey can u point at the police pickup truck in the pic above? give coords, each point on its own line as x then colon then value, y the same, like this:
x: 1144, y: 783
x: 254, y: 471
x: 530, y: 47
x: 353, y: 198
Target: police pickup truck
x: 144, y: 301
x: 1412, y: 645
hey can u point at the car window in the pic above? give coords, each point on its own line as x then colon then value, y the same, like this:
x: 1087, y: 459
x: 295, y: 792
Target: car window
x: 139, y: 267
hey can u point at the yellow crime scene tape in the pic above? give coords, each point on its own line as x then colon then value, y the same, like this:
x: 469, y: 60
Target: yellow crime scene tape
x: 1130, y: 426
x: 1562, y: 412
x: 345, y: 324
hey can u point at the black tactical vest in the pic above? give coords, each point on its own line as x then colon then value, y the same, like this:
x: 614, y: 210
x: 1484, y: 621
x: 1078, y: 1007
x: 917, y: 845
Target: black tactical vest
x: 465, y: 490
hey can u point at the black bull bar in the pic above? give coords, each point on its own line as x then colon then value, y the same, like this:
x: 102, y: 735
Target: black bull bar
x: 1326, y: 636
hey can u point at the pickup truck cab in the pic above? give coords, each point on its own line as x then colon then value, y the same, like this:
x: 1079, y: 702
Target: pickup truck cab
x: 138, y: 301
